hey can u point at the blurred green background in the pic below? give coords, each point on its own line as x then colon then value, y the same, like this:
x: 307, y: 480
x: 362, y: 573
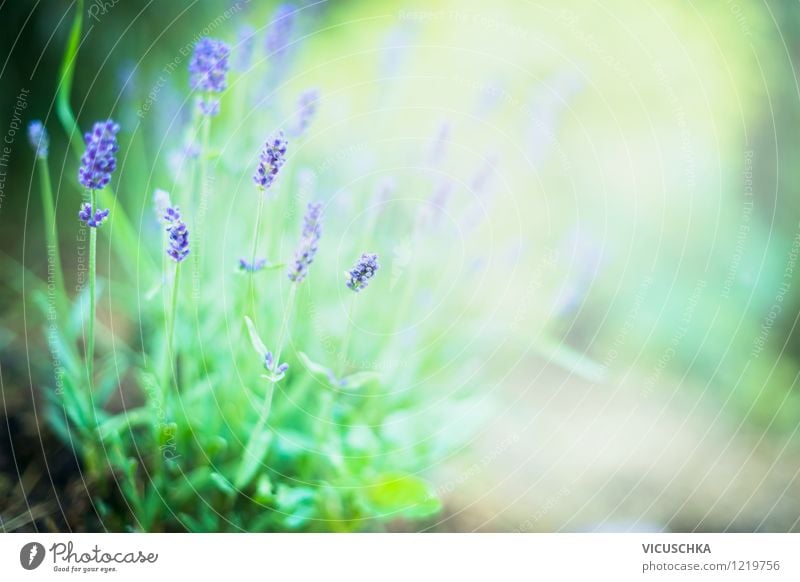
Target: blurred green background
x: 637, y: 232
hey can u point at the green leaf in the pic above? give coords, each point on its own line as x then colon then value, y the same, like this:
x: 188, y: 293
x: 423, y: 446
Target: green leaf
x: 263, y: 492
x: 252, y: 458
x: 289, y: 499
x: 394, y: 493
x: 128, y: 419
x: 359, y: 379
x: 318, y: 370
x: 255, y: 339
x: 223, y: 484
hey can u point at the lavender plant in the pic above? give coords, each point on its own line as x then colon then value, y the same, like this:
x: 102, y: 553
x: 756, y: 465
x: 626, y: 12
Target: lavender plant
x: 291, y: 430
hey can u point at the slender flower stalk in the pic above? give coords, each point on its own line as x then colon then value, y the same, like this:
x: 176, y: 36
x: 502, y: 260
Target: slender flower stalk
x: 97, y: 164
x: 272, y: 364
x: 177, y: 250
x: 312, y: 230
x: 271, y: 160
x: 40, y: 141
x: 357, y: 279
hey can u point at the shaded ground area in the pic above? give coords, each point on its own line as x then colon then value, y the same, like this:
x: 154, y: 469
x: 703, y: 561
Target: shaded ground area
x: 564, y: 454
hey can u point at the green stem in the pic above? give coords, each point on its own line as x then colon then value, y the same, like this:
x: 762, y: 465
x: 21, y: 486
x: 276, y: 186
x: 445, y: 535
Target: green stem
x: 92, y: 299
x: 51, y: 233
x: 252, y: 286
x: 205, y: 129
x: 173, y: 314
x: 342, y: 364
x: 266, y: 405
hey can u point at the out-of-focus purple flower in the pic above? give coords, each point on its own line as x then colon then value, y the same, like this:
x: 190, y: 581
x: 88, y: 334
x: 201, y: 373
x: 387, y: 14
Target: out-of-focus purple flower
x: 243, y: 51
x: 162, y: 203
x: 208, y: 71
x: 358, y: 277
x: 271, y: 160
x: 178, y: 244
x: 99, y: 161
x: 309, y: 242
x: 439, y: 143
x: 280, y: 31
x: 306, y: 109
x: 92, y: 219
x: 249, y: 267
x: 40, y: 141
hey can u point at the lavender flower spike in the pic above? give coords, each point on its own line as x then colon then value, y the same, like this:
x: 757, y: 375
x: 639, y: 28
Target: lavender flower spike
x: 280, y: 30
x: 98, y: 161
x: 306, y: 109
x: 243, y: 51
x: 271, y: 160
x: 40, y: 141
x: 358, y: 277
x: 178, y: 244
x: 208, y: 70
x: 92, y: 220
x: 309, y: 242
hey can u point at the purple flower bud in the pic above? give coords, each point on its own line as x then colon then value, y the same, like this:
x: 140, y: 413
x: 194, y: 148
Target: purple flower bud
x: 258, y: 265
x: 309, y: 242
x: 172, y: 215
x: 358, y: 277
x: 306, y: 109
x: 178, y: 244
x: 269, y: 364
x: 90, y: 218
x: 272, y: 158
x: 99, y: 161
x: 40, y: 141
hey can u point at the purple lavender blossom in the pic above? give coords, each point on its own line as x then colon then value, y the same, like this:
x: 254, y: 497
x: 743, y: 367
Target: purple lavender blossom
x: 280, y: 31
x: 178, y: 244
x: 99, y: 161
x: 172, y: 215
x: 92, y: 219
x: 243, y: 51
x: 272, y: 158
x: 249, y: 267
x: 309, y: 242
x: 207, y: 71
x: 40, y: 141
x: 358, y: 277
x: 306, y: 109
